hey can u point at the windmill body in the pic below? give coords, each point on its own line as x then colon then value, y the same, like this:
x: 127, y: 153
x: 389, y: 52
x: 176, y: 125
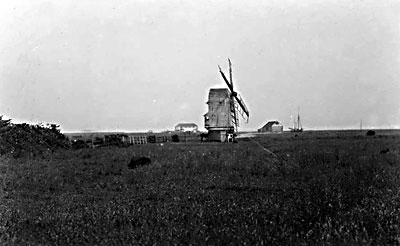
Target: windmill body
x: 224, y: 106
x: 218, y: 119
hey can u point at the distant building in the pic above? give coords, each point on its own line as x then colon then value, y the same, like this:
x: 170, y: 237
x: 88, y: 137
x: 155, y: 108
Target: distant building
x: 271, y: 126
x: 186, y: 127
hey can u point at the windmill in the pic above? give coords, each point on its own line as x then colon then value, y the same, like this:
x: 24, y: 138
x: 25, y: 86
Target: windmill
x: 224, y: 108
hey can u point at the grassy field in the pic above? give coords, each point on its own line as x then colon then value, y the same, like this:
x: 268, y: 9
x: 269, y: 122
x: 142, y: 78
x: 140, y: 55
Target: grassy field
x: 321, y: 188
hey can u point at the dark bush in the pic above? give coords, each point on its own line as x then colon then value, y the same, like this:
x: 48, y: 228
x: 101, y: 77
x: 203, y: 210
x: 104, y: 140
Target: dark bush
x: 98, y: 141
x: 175, y: 138
x: 370, y: 133
x: 151, y: 139
x: 203, y: 136
x: 142, y: 161
x: 114, y: 140
x: 79, y: 144
x: 22, y: 139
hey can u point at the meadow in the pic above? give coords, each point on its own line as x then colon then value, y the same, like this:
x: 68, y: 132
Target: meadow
x: 322, y: 187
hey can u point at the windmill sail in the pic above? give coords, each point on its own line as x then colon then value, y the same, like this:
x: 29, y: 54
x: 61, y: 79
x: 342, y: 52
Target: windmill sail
x: 225, y: 79
x: 244, y: 112
x: 243, y: 108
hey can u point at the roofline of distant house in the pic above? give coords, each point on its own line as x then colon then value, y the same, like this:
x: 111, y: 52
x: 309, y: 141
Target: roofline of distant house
x: 186, y: 124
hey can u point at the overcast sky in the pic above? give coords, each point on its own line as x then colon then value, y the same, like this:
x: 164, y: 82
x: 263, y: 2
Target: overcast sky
x: 141, y: 65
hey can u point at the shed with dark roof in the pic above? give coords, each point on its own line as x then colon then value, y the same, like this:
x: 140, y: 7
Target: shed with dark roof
x: 271, y: 126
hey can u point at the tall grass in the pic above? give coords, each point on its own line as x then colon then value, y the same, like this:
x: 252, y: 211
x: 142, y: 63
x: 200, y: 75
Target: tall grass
x: 329, y: 192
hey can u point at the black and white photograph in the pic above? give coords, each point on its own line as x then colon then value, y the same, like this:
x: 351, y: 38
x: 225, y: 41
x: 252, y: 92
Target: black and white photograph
x: 188, y: 122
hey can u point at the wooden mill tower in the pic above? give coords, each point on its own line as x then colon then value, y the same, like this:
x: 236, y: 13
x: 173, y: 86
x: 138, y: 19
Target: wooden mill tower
x: 224, y: 107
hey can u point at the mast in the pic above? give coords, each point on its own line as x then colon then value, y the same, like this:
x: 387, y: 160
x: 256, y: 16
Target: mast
x: 298, y: 117
x: 293, y: 129
x: 298, y: 121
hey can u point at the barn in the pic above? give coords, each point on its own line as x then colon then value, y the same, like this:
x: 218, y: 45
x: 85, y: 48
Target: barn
x: 271, y: 126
